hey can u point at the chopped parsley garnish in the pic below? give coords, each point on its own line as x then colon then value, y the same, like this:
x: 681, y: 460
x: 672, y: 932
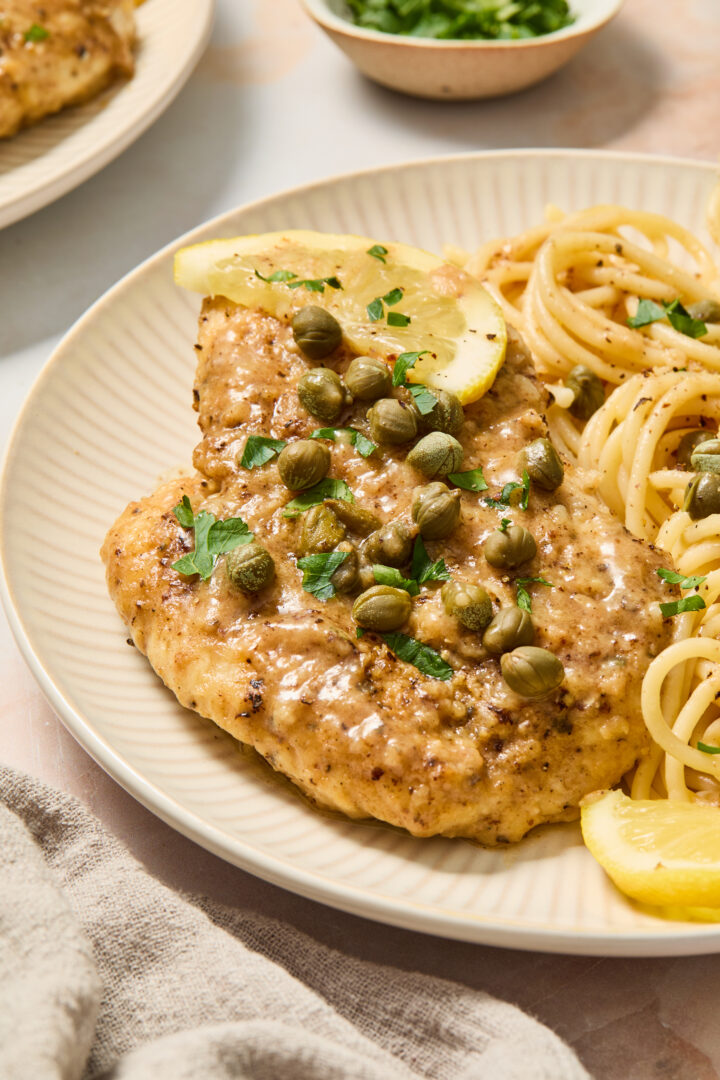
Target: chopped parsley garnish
x: 708, y: 749
x: 503, y: 499
x: 317, y: 571
x: 424, y: 400
x: 378, y: 252
x: 677, y: 607
x: 523, y: 596
x: 362, y: 444
x: 259, y: 449
x: 376, y: 308
x: 674, y: 578
x: 678, y: 317
x: 472, y: 480
x: 463, y: 19
x: 687, y: 603
x: 36, y: 33
x: 388, y: 575
x: 329, y: 488
x: 421, y: 656
x: 423, y: 568
x: 504, y: 522
x: 287, y: 277
x: 212, y: 538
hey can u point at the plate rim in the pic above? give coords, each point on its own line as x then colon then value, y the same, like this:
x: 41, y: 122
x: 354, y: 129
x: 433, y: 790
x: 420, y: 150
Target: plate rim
x: 77, y: 171
x: 684, y: 939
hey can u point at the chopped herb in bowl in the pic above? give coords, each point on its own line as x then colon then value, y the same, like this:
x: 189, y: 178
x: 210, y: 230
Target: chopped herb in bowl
x: 462, y: 19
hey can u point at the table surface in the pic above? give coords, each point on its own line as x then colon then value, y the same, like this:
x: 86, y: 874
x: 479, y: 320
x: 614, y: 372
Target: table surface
x: 267, y: 109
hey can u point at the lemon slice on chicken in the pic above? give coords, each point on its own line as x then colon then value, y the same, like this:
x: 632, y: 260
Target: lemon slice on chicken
x: 416, y: 301
x: 657, y: 851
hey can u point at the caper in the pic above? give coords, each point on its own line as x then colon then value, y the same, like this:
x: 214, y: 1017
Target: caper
x: 368, y: 378
x: 355, y: 518
x: 588, y: 390
x: 436, y: 510
x: 321, y: 531
x: 392, y: 422
x: 250, y: 567
x: 382, y: 608
x: 702, y: 496
x: 470, y: 604
x: 390, y: 545
x: 446, y: 414
x: 687, y: 444
x: 510, y: 628
x: 436, y: 455
x: 544, y: 467
x: 706, y: 456
x: 322, y: 393
x: 346, y: 577
x: 531, y: 672
x: 303, y: 463
x: 513, y: 547
x: 316, y: 331
x: 705, y: 310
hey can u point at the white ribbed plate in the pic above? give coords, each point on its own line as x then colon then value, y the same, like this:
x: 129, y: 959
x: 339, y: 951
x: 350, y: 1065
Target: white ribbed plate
x: 46, y: 161
x: 111, y: 411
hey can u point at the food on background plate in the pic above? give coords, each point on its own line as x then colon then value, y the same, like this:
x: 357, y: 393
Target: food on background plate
x: 59, y: 53
x: 463, y: 19
x: 400, y: 595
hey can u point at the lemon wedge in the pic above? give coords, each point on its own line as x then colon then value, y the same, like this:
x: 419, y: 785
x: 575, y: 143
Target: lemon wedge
x: 660, y: 852
x: 388, y: 298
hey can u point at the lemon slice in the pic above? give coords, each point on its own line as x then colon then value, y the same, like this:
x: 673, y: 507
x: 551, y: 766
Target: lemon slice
x: 659, y: 852
x: 451, y: 319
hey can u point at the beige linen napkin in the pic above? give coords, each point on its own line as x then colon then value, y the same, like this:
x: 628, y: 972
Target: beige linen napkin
x: 104, y: 972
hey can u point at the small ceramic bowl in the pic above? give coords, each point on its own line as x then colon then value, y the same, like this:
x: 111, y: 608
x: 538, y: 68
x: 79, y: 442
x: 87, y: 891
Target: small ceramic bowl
x: 457, y: 70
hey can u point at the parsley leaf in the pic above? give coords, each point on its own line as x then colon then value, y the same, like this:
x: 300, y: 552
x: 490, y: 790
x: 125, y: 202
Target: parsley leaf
x: 378, y: 252
x: 404, y: 362
x: 421, y: 656
x: 278, y: 275
x: 36, y: 33
x: 393, y: 297
x: 425, y: 401
x: 212, y: 538
x: 388, y: 575
x: 329, y: 488
x: 677, y: 315
x: 708, y: 749
x: 317, y: 571
x: 503, y: 498
x: 504, y: 522
x: 472, y: 480
x: 676, y: 607
x: 287, y: 277
x: 423, y: 568
x: 362, y: 444
x: 395, y: 318
x: 674, y: 578
x: 259, y: 449
x: 465, y: 19
x: 523, y: 596
x: 375, y: 309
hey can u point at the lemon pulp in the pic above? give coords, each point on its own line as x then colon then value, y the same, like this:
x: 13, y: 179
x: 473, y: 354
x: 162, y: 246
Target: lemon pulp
x: 660, y: 852
x: 452, y: 320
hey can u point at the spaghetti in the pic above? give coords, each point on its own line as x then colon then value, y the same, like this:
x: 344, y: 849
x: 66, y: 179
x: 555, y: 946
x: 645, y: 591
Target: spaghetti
x: 570, y: 286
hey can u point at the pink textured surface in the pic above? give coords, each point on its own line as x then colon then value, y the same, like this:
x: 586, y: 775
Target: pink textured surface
x: 651, y: 82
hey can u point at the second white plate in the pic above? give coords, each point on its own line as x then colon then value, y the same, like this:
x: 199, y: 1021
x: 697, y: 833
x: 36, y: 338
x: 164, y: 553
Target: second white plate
x: 44, y: 162
x: 112, y: 410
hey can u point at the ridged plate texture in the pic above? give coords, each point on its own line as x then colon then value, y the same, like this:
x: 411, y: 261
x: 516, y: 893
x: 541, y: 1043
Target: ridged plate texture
x: 112, y: 411
x: 44, y: 162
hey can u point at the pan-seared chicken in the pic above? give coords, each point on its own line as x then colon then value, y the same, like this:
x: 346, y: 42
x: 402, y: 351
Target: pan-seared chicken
x: 60, y: 52
x: 358, y: 729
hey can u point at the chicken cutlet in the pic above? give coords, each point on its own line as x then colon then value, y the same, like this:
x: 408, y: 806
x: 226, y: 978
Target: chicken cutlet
x: 356, y: 728
x: 58, y: 53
